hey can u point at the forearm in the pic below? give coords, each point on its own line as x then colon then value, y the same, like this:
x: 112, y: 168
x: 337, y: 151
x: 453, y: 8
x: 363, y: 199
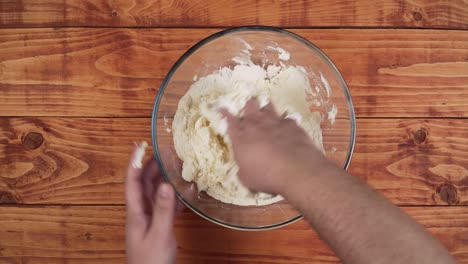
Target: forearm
x: 359, y: 224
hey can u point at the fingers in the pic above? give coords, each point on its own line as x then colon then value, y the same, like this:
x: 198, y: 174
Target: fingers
x: 163, y: 213
x: 136, y: 218
x: 133, y: 188
x: 251, y: 107
x: 230, y: 118
x: 169, y: 157
x: 233, y: 122
x: 269, y: 108
x: 151, y: 178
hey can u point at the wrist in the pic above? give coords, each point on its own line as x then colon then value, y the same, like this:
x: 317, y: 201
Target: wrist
x: 309, y: 175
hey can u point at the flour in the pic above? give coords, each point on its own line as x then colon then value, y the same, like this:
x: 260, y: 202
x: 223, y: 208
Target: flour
x: 200, y: 131
x: 332, y: 114
x: 282, y: 54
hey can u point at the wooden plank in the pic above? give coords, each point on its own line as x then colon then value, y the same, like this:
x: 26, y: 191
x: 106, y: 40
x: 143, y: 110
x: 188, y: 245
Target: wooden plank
x: 414, y: 161
x: 117, y: 72
x: 303, y: 13
x: 95, y: 234
x: 82, y: 161
x: 67, y: 160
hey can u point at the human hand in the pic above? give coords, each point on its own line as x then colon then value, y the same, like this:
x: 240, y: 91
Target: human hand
x: 270, y: 150
x: 151, y: 207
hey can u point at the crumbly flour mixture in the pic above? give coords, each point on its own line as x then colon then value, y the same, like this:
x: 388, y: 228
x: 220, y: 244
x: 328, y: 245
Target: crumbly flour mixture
x: 200, y: 131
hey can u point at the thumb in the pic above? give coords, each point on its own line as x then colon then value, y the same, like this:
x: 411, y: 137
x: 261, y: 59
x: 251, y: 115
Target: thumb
x: 163, y: 212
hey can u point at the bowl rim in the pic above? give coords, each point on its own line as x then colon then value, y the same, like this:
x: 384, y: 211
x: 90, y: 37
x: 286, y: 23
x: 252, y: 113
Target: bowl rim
x: 190, y: 51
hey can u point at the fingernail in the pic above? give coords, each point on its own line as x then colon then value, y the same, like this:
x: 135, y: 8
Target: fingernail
x: 164, y: 191
x: 139, y: 154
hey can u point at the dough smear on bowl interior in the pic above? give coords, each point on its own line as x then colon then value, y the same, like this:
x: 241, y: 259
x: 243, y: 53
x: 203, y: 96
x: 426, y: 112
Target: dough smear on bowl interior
x: 200, y: 131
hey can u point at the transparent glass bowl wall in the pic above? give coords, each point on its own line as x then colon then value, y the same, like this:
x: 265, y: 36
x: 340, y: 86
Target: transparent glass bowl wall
x: 217, y: 51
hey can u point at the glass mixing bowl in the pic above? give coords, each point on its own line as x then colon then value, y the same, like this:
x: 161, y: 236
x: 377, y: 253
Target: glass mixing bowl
x: 217, y: 51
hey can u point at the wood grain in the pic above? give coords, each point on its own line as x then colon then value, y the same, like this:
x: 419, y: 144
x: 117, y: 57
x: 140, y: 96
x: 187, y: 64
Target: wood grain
x: 95, y: 234
x: 79, y: 161
x: 117, y: 72
x: 62, y: 82
x: 198, y: 13
x: 414, y: 161
x: 83, y: 160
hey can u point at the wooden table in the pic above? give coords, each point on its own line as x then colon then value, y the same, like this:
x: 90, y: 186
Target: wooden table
x: 78, y: 80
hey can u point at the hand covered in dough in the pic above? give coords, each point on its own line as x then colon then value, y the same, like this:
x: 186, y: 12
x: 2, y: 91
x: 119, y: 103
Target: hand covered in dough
x: 270, y: 150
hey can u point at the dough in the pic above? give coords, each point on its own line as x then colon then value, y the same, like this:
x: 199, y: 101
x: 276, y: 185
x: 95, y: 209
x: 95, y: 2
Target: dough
x: 200, y: 131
